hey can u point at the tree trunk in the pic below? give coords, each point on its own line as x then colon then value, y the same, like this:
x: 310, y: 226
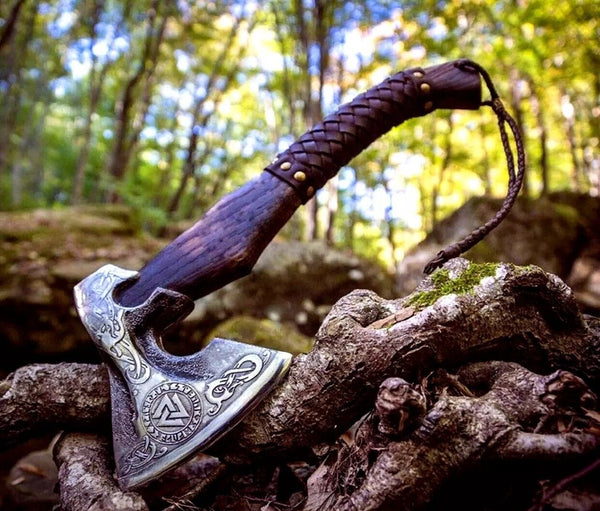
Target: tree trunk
x: 444, y: 165
x: 187, y: 172
x: 390, y: 223
x: 96, y: 82
x: 125, y: 138
x: 515, y: 99
x: 304, y: 63
x: 331, y: 188
x: 166, y: 173
x: 485, y: 161
x: 11, y: 23
x: 289, y: 96
x: 568, y: 112
x: 14, y: 56
x: 199, y: 122
x: 538, y: 111
x: 353, y: 214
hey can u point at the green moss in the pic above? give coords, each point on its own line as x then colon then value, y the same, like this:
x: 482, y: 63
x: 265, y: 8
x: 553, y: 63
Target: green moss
x: 444, y: 284
x: 263, y: 332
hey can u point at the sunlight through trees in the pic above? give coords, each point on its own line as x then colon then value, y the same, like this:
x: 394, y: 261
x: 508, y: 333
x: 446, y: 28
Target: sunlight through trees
x: 166, y: 106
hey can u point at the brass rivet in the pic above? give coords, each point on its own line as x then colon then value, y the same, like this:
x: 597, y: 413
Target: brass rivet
x: 310, y: 191
x: 428, y: 105
x: 425, y: 87
x: 286, y: 165
x: 418, y: 74
x: 300, y: 176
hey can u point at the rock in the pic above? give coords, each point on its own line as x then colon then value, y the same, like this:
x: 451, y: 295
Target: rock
x: 32, y: 481
x: 292, y: 282
x: 584, y: 278
x: 263, y: 332
x: 557, y: 233
x: 46, y: 252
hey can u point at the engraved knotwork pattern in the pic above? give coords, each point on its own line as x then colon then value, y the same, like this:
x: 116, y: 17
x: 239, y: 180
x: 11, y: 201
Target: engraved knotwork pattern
x: 143, y: 453
x: 104, y: 321
x: 223, y: 388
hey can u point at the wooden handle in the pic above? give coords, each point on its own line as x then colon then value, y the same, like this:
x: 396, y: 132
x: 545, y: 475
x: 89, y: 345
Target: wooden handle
x: 226, y: 243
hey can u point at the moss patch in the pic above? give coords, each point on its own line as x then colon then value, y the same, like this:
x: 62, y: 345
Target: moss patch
x: 444, y: 284
x: 263, y: 332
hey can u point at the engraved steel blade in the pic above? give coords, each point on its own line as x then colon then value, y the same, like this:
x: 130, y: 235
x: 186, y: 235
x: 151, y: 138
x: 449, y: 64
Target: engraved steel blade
x: 166, y: 407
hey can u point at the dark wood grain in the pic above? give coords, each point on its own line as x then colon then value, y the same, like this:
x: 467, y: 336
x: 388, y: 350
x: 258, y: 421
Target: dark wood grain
x: 225, y: 244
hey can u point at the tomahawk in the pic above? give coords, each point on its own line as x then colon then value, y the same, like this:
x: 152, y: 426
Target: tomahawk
x: 166, y: 407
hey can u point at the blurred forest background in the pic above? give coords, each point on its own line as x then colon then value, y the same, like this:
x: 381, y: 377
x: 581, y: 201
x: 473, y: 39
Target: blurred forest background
x: 165, y: 106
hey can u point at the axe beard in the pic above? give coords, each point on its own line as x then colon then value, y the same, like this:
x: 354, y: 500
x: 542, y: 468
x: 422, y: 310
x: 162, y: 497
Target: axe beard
x: 167, y: 407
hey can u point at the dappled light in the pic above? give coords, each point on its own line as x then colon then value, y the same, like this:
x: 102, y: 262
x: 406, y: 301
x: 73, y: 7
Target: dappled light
x: 167, y: 106
x: 299, y: 255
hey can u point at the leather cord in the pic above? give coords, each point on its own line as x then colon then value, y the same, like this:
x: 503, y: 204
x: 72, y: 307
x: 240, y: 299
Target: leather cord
x: 318, y: 154
x: 515, y: 180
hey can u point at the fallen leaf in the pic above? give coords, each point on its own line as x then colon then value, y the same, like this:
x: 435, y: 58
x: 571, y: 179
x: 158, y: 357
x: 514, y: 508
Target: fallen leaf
x: 391, y: 320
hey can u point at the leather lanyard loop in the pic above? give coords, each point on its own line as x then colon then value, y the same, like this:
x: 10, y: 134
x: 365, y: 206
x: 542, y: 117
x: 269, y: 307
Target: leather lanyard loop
x: 515, y: 181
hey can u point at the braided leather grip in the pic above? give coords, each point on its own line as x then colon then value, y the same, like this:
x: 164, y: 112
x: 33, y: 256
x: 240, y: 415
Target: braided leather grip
x: 225, y: 244
x: 318, y: 154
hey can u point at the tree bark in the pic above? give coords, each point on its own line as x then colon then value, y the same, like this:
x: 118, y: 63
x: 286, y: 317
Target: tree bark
x: 11, y: 23
x: 126, y: 135
x: 462, y: 313
x: 86, y: 476
x: 408, y: 460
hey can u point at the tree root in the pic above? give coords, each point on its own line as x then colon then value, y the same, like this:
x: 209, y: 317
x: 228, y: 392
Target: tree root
x: 381, y: 471
x: 42, y: 398
x: 85, y: 476
x: 512, y: 314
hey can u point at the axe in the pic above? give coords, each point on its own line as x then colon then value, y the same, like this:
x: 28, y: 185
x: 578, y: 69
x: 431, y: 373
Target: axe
x: 166, y: 407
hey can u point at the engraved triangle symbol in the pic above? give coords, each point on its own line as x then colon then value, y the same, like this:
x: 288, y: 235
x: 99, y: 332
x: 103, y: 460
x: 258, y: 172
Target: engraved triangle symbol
x: 170, y: 412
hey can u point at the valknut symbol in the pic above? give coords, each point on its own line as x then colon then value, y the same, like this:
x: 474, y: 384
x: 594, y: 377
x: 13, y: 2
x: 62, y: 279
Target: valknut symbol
x: 171, y: 412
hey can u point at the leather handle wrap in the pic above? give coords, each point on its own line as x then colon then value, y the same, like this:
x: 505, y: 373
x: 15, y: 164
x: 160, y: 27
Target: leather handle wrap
x: 317, y: 155
x: 225, y: 244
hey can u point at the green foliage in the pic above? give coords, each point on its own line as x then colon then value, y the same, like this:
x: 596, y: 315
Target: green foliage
x: 191, y: 99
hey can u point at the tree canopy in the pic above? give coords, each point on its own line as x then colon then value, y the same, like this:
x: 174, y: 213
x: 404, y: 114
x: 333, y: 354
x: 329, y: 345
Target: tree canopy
x: 166, y: 106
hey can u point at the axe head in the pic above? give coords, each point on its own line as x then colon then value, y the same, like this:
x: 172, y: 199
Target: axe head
x: 166, y: 407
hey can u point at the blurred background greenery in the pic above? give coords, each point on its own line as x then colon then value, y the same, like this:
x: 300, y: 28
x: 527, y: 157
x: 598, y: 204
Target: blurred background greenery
x: 165, y: 106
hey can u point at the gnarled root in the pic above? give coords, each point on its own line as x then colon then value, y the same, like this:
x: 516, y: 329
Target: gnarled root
x: 510, y: 413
